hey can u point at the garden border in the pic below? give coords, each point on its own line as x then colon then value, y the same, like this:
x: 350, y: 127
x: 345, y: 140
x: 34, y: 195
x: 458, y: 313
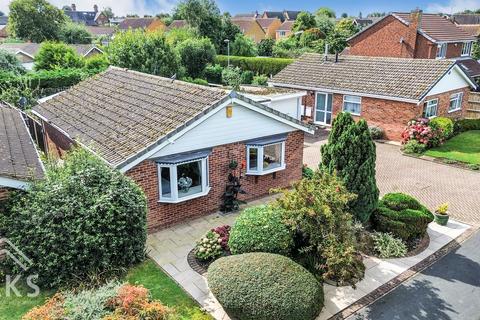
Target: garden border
x: 404, y: 276
x: 439, y: 161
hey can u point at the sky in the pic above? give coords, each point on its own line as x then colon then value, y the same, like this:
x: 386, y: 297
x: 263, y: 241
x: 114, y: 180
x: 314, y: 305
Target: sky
x: 353, y: 8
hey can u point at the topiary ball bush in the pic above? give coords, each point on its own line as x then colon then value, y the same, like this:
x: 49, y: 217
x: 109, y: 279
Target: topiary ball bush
x: 261, y: 229
x: 265, y: 286
x: 444, y: 124
x: 402, y: 215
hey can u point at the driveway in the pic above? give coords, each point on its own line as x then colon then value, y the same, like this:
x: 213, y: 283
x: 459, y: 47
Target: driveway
x: 431, y: 183
x: 449, y: 289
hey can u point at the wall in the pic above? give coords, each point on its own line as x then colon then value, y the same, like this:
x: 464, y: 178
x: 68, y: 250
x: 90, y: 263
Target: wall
x: 56, y: 142
x: 164, y: 214
x: 444, y: 103
x: 255, y: 32
x: 4, y: 192
x: 271, y: 31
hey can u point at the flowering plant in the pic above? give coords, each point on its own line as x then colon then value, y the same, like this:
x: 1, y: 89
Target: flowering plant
x: 224, y: 233
x: 420, y: 131
x: 209, y: 246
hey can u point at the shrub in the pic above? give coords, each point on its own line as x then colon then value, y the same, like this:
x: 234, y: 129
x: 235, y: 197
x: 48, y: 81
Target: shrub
x: 198, y: 81
x: 52, y: 309
x: 259, y: 65
x: 387, y: 246
x: 463, y: 125
x: 402, y: 216
x: 83, y: 218
x: 414, y: 147
x: 224, y: 234
x: 213, y: 73
x: 243, y: 46
x: 265, y: 47
x: 445, y: 125
x: 232, y: 77
x: 261, y: 80
x: 195, y: 54
x: 97, y: 63
x: 421, y: 131
x: 10, y: 63
x: 264, y: 286
x: 209, y: 248
x: 473, y: 166
x: 52, y: 55
x: 74, y: 33
x: 377, y: 133
x: 247, y: 77
x: 307, y: 172
x: 260, y: 229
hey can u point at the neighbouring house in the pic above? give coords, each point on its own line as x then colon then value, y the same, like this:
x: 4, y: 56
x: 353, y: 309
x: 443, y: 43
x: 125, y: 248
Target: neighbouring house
x: 88, y: 18
x: 416, y: 35
x: 470, y: 23
x: 254, y: 15
x: 101, y: 31
x: 178, y: 24
x: 176, y: 139
x: 19, y: 159
x: 3, y: 27
x: 26, y: 52
x: 285, y: 15
x: 362, y: 23
x: 285, y: 30
x: 270, y: 26
x: 250, y: 27
x: 148, y: 24
x: 387, y: 92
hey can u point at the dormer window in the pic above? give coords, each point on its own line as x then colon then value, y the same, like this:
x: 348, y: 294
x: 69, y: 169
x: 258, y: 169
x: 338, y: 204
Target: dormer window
x: 467, y: 49
x: 442, y: 51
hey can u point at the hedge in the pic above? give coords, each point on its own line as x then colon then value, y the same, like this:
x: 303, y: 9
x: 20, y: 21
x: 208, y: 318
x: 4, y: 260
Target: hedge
x: 466, y: 125
x: 259, y: 65
x: 265, y: 286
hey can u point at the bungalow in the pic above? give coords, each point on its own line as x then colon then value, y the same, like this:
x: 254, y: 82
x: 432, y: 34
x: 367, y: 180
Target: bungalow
x: 19, y: 159
x: 387, y: 92
x: 176, y: 139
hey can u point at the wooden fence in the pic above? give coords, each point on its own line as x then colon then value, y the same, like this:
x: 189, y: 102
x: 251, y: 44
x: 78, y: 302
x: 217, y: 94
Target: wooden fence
x: 473, y: 106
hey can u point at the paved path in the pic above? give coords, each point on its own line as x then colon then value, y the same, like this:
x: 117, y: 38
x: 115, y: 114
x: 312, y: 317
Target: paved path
x: 449, y: 289
x: 432, y: 183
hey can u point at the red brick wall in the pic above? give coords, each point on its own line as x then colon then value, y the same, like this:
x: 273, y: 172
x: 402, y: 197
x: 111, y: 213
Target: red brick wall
x: 4, y: 192
x: 164, y: 214
x: 56, y: 142
x: 444, y: 103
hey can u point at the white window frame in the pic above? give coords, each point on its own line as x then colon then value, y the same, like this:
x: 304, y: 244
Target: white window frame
x: 346, y: 99
x: 260, y: 171
x: 427, y: 105
x: 456, y: 98
x: 467, y: 49
x: 174, y: 181
x: 441, y: 50
x: 282, y: 33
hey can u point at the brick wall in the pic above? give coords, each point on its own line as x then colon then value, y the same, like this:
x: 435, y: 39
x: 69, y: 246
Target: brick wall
x: 444, y: 103
x: 4, y: 192
x: 56, y: 142
x: 164, y: 214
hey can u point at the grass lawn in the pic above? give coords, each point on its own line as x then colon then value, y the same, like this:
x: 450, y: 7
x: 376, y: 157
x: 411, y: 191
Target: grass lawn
x: 148, y: 274
x: 465, y: 148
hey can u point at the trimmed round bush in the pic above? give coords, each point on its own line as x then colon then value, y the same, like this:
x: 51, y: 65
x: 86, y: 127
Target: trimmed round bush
x: 265, y: 286
x: 445, y: 124
x: 403, y: 216
x: 260, y: 229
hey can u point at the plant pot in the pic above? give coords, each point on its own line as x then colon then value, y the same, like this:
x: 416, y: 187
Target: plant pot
x: 441, y: 219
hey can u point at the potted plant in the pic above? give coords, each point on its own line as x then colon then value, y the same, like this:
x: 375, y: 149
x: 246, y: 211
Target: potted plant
x: 441, y: 214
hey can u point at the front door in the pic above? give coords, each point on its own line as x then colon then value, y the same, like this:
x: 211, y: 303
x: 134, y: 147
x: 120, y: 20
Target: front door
x: 323, y: 108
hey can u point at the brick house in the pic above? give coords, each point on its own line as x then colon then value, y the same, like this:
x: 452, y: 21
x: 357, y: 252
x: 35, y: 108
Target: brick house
x: 387, y: 92
x: 19, y: 159
x: 176, y: 139
x: 88, y: 18
x: 270, y: 26
x: 148, y: 24
x: 251, y: 28
x: 416, y: 35
x: 285, y: 30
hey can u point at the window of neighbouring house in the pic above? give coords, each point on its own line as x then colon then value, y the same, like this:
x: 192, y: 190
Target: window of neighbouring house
x: 441, y: 51
x: 266, y: 155
x: 282, y: 33
x: 183, y: 176
x: 467, y: 49
x: 430, y: 108
x: 455, y: 102
x: 352, y: 104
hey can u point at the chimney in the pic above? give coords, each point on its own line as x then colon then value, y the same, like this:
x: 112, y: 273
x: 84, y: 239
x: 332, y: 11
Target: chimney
x: 95, y: 8
x: 74, y: 7
x: 410, y: 41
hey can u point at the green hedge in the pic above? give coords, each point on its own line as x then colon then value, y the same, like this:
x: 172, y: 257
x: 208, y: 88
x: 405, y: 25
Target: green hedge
x: 466, y: 125
x: 265, y: 286
x: 402, y: 215
x: 259, y: 65
x: 260, y: 229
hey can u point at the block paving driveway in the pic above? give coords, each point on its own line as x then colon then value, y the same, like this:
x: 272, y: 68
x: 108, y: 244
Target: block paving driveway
x: 432, y: 183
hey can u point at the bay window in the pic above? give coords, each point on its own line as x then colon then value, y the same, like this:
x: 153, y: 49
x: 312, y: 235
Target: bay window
x: 183, y: 176
x: 455, y: 102
x: 266, y: 155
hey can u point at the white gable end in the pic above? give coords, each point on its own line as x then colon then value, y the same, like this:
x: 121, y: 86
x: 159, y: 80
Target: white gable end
x: 245, y: 124
x: 453, y: 80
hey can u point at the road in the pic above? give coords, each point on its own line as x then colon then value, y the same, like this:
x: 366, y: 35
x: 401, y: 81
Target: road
x: 449, y: 289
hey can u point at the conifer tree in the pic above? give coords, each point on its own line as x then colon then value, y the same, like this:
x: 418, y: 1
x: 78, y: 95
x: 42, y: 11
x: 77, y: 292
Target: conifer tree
x: 350, y: 152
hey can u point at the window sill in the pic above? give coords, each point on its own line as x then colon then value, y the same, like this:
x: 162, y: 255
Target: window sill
x: 264, y: 173
x: 193, y: 196
x: 454, y: 110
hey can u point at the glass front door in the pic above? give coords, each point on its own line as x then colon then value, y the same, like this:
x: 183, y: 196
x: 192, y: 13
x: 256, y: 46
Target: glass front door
x: 323, y: 108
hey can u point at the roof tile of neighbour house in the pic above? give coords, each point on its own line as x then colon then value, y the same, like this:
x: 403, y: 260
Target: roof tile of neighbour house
x: 466, y: 18
x: 291, y: 15
x: 266, y: 22
x: 3, y: 20
x: 274, y: 14
x: 18, y: 157
x: 286, y: 26
x: 178, y: 24
x: 86, y: 17
x: 471, y: 29
x: 400, y: 78
x: 32, y: 48
x: 100, y: 31
x: 438, y: 28
x: 135, y: 23
x: 470, y: 66
x: 245, y: 24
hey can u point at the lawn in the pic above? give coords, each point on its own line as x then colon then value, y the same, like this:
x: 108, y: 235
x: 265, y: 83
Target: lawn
x: 148, y: 274
x: 465, y: 148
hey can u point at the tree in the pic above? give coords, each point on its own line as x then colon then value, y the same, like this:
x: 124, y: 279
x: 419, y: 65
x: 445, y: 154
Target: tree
x: 178, y: 35
x: 305, y: 20
x: 108, y: 12
x: 265, y: 47
x: 476, y: 51
x: 10, y: 63
x: 325, y: 24
x: 327, y: 12
x: 145, y: 52
x: 228, y: 31
x: 195, y: 54
x: 243, y: 46
x: 75, y: 33
x: 345, y: 15
x: 337, y: 38
x: 57, y: 55
x: 35, y: 20
x: 310, y: 38
x: 232, y: 77
x: 350, y: 152
x: 347, y: 27
x: 196, y: 11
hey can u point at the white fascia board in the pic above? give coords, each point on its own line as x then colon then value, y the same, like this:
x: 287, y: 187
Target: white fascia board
x: 345, y: 92
x: 289, y: 96
x: 465, y: 77
x: 24, y: 53
x: 13, y: 183
x: 93, y: 48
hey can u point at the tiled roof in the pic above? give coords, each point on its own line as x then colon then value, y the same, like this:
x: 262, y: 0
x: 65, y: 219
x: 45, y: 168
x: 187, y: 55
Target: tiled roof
x: 178, y: 24
x: 245, y: 23
x: 3, y: 20
x: 266, y: 22
x: 32, y: 48
x: 292, y: 15
x: 274, y: 14
x: 86, y: 17
x: 466, y: 18
x: 18, y: 156
x: 438, y: 27
x: 98, y: 31
x: 286, y: 26
x: 135, y: 23
x: 121, y: 112
x: 470, y: 66
x: 471, y: 29
x: 398, y: 78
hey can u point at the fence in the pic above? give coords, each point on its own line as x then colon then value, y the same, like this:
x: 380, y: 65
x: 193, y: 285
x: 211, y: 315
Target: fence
x: 473, y: 106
